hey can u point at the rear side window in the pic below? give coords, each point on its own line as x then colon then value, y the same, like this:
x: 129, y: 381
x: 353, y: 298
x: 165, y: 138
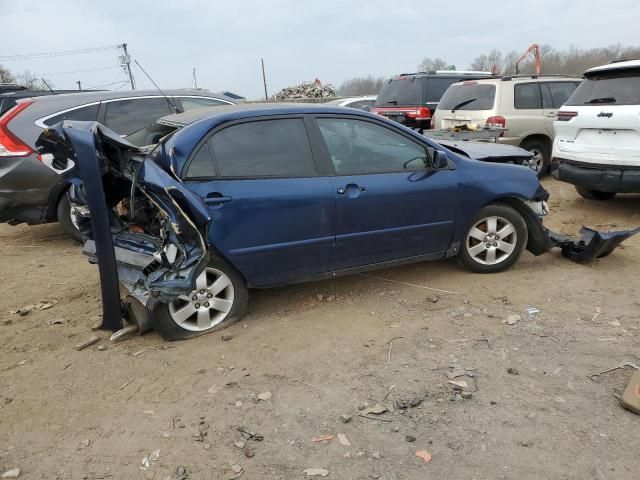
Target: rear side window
x: 88, y: 114
x: 6, y: 104
x: 202, y: 163
x: 559, y: 92
x: 191, y: 103
x: 468, y: 96
x: 128, y: 116
x: 619, y: 88
x: 265, y: 148
x: 527, y: 96
x: 400, y: 91
x: 436, y: 87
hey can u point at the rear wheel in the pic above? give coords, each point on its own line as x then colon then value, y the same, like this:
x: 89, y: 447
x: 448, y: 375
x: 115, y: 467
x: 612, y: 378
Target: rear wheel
x: 494, y: 241
x: 219, y: 300
x: 541, y: 156
x: 594, y: 194
x: 67, y: 219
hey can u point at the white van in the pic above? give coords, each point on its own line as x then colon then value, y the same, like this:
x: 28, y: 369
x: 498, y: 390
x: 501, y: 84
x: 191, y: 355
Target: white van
x: 597, y: 142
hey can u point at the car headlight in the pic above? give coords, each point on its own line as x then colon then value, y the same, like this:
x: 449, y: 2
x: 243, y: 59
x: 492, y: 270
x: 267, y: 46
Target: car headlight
x: 540, y: 208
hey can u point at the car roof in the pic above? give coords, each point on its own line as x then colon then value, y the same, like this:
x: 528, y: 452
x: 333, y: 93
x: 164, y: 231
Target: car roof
x: 613, y: 66
x: 523, y: 78
x: 341, y: 101
x: 89, y: 97
x: 251, y: 110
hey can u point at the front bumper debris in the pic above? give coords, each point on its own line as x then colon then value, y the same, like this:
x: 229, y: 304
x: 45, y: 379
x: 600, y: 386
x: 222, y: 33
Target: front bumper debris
x: 591, y: 245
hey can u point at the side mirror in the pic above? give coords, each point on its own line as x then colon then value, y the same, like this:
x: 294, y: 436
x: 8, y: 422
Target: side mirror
x: 440, y: 159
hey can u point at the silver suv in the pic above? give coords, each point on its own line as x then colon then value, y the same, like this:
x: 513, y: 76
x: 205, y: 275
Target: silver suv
x: 525, y: 105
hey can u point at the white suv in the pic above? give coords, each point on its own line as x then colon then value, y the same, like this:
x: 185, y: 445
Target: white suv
x: 597, y: 144
x: 526, y: 105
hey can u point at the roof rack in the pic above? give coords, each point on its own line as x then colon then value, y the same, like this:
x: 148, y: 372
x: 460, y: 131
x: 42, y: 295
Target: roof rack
x: 541, y: 75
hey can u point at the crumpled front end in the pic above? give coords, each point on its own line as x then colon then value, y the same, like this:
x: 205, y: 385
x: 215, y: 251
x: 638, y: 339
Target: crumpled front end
x: 153, y: 229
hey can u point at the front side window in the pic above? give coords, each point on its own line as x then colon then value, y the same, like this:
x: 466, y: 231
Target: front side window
x: 201, y: 165
x: 191, y: 103
x: 88, y: 113
x: 128, y: 116
x: 265, y: 148
x: 360, y: 147
x: 527, y: 96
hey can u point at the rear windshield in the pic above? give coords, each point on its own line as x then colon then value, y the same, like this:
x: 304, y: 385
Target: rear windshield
x: 468, y: 96
x: 400, y: 91
x: 436, y: 88
x: 614, y: 88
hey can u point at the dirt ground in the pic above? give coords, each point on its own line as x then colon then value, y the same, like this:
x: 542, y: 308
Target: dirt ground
x: 93, y: 414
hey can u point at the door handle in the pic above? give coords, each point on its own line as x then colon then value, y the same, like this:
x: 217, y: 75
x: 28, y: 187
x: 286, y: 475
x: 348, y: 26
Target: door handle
x: 352, y: 190
x: 216, y: 199
x: 551, y: 115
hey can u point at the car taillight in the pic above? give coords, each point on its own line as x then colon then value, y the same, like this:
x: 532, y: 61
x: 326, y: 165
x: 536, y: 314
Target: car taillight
x: 496, y: 121
x: 10, y: 145
x: 421, y: 113
x: 565, y: 116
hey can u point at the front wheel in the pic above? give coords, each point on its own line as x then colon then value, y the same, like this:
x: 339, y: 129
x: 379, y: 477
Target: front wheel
x: 67, y: 219
x: 219, y: 300
x: 494, y: 241
x: 594, y: 194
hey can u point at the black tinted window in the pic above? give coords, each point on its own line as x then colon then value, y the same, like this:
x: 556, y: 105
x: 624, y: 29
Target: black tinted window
x: 560, y: 92
x: 400, y: 91
x: 527, y: 96
x: 277, y: 148
x: 359, y: 147
x: 436, y: 87
x: 190, y: 103
x: 608, y: 89
x: 88, y: 114
x: 128, y: 116
x: 468, y: 96
x: 202, y: 163
x: 6, y: 104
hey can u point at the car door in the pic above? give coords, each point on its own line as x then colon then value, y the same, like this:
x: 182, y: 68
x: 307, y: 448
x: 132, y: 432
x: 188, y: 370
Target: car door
x: 273, y: 216
x: 527, y: 117
x: 390, y: 203
x: 554, y: 94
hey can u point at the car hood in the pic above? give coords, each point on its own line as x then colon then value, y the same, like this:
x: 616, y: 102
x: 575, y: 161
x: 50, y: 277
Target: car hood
x: 485, y: 151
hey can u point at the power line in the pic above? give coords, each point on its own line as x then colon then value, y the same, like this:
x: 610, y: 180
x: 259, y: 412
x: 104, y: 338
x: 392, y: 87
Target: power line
x: 60, y: 53
x: 80, y: 71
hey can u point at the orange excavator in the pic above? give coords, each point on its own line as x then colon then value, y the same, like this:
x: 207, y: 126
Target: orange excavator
x: 535, y: 49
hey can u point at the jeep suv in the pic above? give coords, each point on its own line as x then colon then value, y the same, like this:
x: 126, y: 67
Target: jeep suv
x: 525, y: 105
x: 597, y: 145
x: 411, y: 98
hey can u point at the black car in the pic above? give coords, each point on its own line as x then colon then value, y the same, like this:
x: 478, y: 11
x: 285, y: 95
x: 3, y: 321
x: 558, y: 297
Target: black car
x: 411, y: 98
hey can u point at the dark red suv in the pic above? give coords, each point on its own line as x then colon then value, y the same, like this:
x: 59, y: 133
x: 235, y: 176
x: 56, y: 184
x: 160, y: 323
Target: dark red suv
x: 411, y: 98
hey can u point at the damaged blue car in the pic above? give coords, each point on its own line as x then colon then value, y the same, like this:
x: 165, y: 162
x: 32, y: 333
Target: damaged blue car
x: 255, y: 196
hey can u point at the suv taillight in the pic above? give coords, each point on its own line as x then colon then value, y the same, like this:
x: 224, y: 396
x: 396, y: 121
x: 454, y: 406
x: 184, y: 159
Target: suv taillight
x: 10, y: 145
x: 421, y: 113
x: 565, y: 116
x: 496, y: 121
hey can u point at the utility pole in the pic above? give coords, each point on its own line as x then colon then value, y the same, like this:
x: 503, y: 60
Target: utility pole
x: 264, y: 80
x: 126, y: 60
x: 79, y: 85
x: 195, y: 81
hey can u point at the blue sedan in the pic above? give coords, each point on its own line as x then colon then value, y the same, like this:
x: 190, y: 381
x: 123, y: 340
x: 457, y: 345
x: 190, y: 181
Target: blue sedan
x: 254, y: 196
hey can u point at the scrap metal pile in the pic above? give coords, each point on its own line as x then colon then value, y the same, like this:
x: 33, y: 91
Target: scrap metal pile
x: 313, y: 89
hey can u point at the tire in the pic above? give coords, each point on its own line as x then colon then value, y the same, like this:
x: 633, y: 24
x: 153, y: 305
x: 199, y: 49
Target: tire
x: 65, y: 220
x: 542, y: 156
x: 178, y: 320
x: 594, y: 194
x: 503, y: 250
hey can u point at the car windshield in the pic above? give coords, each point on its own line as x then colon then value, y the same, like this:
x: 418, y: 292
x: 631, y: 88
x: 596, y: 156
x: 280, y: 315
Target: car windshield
x: 400, y: 91
x: 612, y: 88
x: 468, y: 96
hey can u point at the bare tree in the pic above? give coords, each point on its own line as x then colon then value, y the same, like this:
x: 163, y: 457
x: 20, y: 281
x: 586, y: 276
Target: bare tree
x: 361, y: 86
x: 431, y: 64
x: 6, y: 76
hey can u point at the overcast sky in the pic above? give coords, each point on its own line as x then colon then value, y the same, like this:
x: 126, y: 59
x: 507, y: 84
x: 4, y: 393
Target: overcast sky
x: 299, y: 40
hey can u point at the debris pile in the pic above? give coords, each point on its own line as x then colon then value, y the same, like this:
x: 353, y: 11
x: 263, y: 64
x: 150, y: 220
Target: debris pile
x: 313, y: 89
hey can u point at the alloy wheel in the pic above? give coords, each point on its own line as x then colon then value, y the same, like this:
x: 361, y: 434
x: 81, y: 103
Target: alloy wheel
x: 206, y: 306
x: 491, y: 240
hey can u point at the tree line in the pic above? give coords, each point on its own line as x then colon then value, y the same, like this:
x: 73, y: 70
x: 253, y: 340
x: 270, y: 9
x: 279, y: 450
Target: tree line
x: 572, y: 61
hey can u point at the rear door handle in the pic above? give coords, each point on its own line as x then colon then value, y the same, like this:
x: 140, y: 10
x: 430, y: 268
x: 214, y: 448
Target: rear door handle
x: 216, y: 199
x: 551, y: 114
x: 352, y: 190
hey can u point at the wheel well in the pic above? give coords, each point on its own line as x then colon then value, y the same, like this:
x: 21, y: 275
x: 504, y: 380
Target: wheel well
x: 51, y: 213
x: 540, y: 138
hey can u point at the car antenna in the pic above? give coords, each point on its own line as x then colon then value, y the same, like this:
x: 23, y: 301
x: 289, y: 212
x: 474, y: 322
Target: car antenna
x: 50, y: 89
x: 171, y: 104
